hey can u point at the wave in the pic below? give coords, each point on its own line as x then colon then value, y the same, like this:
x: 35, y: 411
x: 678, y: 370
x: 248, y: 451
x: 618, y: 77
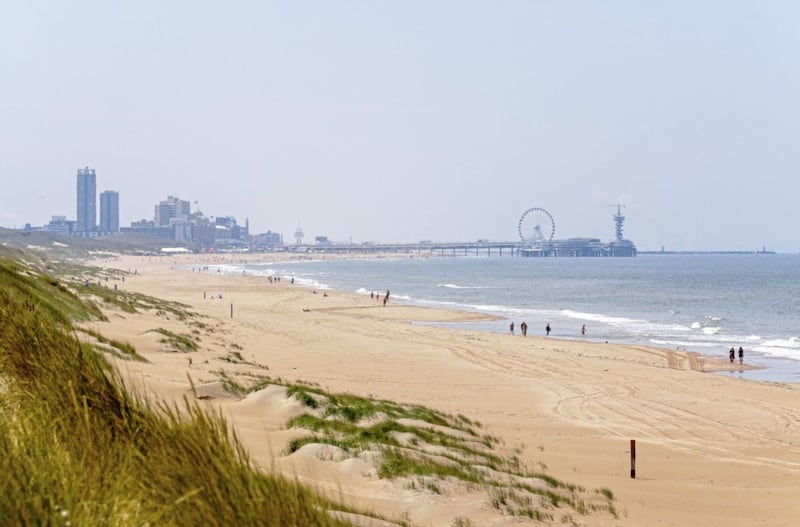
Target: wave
x: 683, y: 343
x: 454, y: 286
x: 705, y: 327
x: 636, y: 324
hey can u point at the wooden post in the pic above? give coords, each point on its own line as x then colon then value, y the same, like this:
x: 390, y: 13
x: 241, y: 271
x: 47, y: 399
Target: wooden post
x: 231, y: 309
x: 633, y: 459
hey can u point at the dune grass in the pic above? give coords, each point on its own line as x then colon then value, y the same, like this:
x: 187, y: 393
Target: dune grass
x: 77, y: 447
x: 427, y: 448
x: 123, y: 350
x: 176, y: 341
x: 430, y: 447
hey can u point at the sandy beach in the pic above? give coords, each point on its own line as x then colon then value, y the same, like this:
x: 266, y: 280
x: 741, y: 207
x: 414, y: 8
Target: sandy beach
x: 711, y: 450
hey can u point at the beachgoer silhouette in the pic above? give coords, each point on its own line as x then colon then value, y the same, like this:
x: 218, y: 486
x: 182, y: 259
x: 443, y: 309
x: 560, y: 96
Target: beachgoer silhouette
x: 583, y: 329
x: 731, y: 354
x: 524, y: 328
x: 741, y: 355
x: 511, y: 328
x: 547, y: 329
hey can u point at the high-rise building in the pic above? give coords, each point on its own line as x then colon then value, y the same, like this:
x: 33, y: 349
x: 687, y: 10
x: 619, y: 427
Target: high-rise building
x: 87, y: 201
x: 169, y: 209
x: 109, y: 211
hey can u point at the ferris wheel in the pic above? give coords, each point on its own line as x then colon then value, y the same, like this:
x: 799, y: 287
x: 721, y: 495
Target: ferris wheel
x: 536, y: 227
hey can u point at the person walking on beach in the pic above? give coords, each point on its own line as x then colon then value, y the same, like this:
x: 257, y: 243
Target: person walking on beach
x: 741, y: 355
x: 583, y: 329
x: 547, y: 329
x: 732, y: 354
x: 524, y: 328
x: 511, y: 329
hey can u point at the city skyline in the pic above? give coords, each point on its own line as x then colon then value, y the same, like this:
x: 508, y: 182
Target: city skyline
x: 414, y: 121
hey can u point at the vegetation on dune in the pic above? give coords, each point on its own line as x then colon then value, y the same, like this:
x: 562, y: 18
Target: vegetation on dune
x: 176, y: 341
x: 61, y: 246
x: 34, y: 289
x: 428, y: 449
x: 123, y: 350
x: 76, y: 447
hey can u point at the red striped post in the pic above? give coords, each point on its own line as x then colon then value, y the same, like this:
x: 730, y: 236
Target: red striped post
x: 633, y: 459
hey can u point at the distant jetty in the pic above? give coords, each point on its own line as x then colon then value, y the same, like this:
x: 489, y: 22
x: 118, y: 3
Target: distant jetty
x: 763, y: 251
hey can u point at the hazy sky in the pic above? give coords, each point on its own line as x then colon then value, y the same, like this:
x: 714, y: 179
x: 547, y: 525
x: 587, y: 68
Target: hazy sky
x: 407, y: 121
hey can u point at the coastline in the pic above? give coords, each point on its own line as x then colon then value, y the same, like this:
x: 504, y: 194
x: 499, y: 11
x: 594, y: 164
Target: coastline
x: 759, y: 366
x: 725, y: 449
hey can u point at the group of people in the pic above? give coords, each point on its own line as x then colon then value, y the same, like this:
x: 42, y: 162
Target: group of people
x: 523, y: 329
x: 385, y: 297
x: 732, y: 354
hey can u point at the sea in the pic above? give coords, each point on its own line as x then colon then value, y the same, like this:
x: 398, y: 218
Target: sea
x: 705, y: 303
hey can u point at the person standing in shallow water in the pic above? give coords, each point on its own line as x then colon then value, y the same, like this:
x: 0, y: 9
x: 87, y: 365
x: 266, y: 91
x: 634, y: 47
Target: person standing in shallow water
x: 741, y: 355
x: 511, y: 328
x: 732, y: 354
x: 547, y: 329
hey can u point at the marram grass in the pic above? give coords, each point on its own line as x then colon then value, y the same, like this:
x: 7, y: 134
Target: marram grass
x: 78, y: 448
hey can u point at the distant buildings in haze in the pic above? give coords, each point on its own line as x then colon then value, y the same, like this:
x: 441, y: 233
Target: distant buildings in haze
x: 87, y: 201
x: 109, y: 212
x: 172, y: 220
x: 86, y: 209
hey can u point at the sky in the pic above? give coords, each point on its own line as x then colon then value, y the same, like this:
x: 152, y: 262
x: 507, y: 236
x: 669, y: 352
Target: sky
x: 414, y: 120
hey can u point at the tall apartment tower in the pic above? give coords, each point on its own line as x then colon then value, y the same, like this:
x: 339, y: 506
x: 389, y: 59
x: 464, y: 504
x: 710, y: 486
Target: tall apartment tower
x: 109, y: 211
x: 171, y: 208
x: 87, y: 201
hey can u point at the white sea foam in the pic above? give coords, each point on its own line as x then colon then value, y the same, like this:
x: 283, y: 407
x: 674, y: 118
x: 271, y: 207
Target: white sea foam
x: 309, y: 282
x: 455, y: 286
x: 790, y: 343
x: 789, y: 348
x: 683, y: 344
x: 635, y: 325
x: 711, y: 330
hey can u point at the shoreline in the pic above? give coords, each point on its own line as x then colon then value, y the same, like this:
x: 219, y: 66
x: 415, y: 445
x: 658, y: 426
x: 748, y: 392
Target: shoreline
x: 726, y: 450
x: 760, y: 368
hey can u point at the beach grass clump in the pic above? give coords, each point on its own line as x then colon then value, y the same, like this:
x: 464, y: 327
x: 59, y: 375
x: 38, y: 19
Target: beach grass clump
x: 177, y: 342
x: 77, y: 447
x: 36, y: 289
x: 418, y: 442
x: 120, y: 349
x: 107, y: 295
x: 233, y: 386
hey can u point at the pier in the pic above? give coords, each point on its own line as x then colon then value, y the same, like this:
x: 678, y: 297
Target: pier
x: 422, y: 249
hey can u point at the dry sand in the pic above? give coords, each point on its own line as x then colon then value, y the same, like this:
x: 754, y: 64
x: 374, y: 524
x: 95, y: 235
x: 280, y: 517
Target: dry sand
x: 711, y: 450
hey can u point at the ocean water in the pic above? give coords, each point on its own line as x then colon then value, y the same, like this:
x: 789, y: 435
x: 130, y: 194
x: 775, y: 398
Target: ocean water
x: 703, y: 303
